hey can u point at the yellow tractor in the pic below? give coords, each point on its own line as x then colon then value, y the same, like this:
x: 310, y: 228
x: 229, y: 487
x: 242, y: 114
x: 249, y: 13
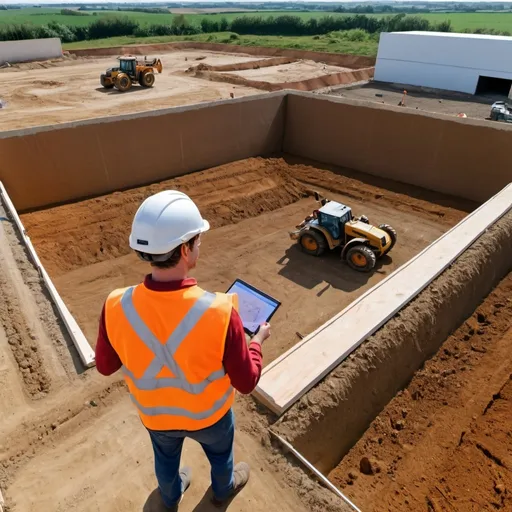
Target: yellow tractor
x: 333, y: 225
x: 131, y: 71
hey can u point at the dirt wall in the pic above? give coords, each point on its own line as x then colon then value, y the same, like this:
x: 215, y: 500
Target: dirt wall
x: 329, y: 420
x: 336, y: 59
x: 43, y: 166
x: 311, y: 84
x: 461, y: 157
x: 240, y: 66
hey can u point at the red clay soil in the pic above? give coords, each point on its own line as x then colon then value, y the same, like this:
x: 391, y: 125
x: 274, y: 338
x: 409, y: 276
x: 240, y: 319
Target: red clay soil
x: 79, y: 234
x: 445, y: 442
x: 336, y: 59
x: 227, y: 195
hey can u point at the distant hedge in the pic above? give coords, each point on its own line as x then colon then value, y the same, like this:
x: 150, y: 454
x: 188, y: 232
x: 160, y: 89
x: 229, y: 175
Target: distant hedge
x: 286, y: 25
x: 98, y: 29
x: 73, y: 12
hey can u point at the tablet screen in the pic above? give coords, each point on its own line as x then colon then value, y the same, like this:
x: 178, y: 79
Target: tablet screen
x: 254, y: 306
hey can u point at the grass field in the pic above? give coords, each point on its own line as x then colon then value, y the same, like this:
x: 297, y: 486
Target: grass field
x: 42, y: 16
x: 320, y: 44
x: 328, y: 43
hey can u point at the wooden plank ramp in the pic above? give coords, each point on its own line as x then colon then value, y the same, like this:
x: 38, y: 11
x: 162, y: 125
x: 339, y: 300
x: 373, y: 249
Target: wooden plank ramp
x: 296, y: 371
x: 80, y: 341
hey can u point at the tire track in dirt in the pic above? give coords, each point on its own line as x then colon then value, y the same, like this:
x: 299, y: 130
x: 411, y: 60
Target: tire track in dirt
x: 20, y: 337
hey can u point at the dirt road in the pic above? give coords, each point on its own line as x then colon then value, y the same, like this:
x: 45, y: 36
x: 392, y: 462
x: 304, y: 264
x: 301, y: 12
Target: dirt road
x: 444, y: 443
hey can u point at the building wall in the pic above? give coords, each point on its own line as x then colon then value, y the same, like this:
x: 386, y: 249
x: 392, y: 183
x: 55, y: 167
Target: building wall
x: 444, y: 61
x: 30, y: 49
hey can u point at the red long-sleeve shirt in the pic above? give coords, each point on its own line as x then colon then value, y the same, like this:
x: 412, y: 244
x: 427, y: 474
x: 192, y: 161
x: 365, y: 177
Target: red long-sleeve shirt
x: 242, y: 363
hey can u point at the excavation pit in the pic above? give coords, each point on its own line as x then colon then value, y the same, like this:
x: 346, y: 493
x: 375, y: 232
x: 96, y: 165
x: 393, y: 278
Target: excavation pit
x: 251, y: 205
x: 253, y: 178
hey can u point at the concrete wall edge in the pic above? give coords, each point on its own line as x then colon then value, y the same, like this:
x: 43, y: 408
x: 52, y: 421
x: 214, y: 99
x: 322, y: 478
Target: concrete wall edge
x: 137, y: 115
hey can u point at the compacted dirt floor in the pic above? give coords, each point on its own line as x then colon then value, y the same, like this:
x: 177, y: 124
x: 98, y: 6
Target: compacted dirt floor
x: 68, y: 89
x: 71, y: 439
x: 445, y: 442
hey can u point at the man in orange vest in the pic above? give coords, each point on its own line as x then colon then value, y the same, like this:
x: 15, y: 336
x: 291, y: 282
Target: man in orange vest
x: 181, y: 349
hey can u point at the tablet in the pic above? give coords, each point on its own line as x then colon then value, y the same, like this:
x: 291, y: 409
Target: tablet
x: 254, y: 306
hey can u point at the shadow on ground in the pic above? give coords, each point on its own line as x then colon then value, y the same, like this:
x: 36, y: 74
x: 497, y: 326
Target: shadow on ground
x: 310, y: 271
x: 135, y: 88
x: 154, y: 503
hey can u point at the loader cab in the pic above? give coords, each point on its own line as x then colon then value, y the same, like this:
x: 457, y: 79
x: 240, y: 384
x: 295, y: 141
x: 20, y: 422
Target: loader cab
x: 333, y: 216
x: 128, y: 65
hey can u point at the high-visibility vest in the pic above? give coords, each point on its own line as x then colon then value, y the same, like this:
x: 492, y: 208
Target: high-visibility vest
x: 171, y: 345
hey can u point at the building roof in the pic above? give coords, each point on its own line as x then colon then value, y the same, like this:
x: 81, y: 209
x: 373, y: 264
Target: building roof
x: 453, y: 35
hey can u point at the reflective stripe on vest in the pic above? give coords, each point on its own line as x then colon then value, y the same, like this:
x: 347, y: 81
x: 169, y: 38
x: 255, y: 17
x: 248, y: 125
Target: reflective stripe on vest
x: 163, y: 357
x: 178, y: 411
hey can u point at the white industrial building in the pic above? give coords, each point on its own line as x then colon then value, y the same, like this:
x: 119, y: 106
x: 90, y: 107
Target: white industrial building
x: 469, y: 63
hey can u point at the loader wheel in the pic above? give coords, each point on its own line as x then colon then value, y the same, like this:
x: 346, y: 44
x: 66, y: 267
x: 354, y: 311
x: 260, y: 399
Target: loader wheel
x: 104, y: 83
x: 392, y: 234
x: 148, y: 79
x: 123, y: 83
x: 361, y: 258
x: 313, y: 243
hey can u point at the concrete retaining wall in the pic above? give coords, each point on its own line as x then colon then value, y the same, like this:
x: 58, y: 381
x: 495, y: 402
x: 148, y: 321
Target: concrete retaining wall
x: 48, y: 165
x: 461, y: 157
x: 43, y: 166
x: 30, y: 49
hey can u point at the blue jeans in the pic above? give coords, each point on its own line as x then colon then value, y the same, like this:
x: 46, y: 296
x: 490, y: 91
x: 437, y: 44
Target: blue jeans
x: 217, y: 443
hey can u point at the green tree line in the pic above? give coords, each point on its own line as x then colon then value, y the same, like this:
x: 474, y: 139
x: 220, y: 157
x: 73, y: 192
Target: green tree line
x: 285, y: 25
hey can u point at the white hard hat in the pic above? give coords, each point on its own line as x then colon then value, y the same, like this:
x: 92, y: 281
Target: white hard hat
x: 164, y: 221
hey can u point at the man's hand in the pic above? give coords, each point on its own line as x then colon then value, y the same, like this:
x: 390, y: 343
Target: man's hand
x: 263, y: 333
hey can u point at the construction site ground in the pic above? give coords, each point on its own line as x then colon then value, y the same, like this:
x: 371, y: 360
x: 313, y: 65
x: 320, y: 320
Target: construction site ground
x: 445, y: 442
x: 74, y: 442
x: 441, y: 102
x: 293, y: 72
x: 68, y: 89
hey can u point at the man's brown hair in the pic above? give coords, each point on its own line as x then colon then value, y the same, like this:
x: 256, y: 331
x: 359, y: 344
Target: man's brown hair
x: 175, y: 257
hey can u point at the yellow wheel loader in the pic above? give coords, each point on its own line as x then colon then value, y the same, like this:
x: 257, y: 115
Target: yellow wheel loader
x: 131, y: 71
x: 333, y: 226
